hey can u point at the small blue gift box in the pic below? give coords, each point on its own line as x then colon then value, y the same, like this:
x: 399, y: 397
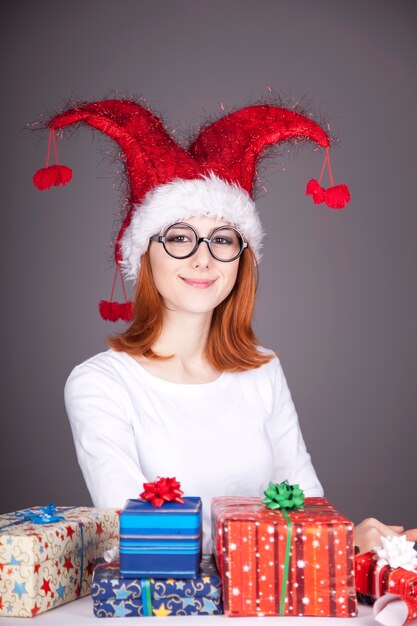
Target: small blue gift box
x: 114, y: 596
x: 160, y: 542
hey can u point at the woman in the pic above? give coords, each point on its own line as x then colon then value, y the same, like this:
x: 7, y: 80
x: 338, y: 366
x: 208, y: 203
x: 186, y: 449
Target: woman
x: 186, y: 391
x: 170, y: 410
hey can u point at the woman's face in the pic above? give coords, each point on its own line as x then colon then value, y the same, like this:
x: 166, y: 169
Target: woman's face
x: 198, y: 283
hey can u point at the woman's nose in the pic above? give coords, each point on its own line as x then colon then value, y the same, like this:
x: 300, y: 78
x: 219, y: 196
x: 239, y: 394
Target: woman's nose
x: 202, y: 256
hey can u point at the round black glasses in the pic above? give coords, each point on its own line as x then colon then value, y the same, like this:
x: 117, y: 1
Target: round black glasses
x: 181, y: 241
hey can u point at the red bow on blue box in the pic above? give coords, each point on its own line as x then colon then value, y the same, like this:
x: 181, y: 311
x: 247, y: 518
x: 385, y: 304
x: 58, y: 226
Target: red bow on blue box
x: 161, y: 491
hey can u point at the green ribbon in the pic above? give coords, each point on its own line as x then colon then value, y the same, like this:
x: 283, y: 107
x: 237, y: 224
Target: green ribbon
x: 284, y: 496
x: 146, y: 597
x: 286, y: 562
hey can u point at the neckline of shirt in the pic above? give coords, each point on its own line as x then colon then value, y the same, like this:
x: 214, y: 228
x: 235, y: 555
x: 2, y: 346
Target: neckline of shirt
x: 161, y: 383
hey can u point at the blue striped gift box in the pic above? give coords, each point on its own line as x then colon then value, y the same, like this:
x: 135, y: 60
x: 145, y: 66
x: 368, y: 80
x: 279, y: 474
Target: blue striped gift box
x: 160, y: 542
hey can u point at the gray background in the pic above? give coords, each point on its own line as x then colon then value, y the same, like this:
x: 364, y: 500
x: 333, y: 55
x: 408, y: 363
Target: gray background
x: 337, y: 298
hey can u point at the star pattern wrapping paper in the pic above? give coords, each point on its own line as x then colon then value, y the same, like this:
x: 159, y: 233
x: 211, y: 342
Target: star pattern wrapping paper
x: 45, y: 565
x: 114, y: 596
x: 250, y: 550
x: 373, y: 580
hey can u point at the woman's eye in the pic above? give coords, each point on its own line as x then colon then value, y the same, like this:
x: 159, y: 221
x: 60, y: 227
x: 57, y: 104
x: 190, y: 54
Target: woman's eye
x: 222, y: 241
x: 178, y: 239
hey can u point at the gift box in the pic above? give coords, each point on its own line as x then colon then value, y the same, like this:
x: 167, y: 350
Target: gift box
x: 160, y: 542
x: 374, y: 580
x: 47, y: 555
x: 114, y: 596
x: 275, y: 562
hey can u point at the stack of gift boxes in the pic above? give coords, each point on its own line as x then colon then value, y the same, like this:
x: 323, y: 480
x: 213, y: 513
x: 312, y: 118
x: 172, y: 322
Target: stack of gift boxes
x: 161, y: 570
x: 280, y: 556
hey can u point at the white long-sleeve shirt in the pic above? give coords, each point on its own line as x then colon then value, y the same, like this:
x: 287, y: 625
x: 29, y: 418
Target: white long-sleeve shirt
x: 231, y: 436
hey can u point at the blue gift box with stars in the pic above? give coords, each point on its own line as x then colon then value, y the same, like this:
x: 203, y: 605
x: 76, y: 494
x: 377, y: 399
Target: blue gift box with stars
x: 114, y: 596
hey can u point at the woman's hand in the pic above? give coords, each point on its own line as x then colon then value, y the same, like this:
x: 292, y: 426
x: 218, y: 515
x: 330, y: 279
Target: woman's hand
x: 368, y: 533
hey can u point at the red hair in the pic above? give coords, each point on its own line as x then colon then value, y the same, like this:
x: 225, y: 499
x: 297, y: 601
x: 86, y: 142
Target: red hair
x: 231, y: 344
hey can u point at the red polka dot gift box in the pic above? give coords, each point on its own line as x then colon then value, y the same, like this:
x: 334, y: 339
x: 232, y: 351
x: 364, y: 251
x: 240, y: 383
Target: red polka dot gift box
x: 47, y: 555
x: 281, y: 561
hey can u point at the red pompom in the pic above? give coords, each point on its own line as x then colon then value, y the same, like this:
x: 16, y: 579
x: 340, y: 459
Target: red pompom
x: 114, y: 311
x: 316, y: 190
x: 52, y: 176
x: 337, y: 197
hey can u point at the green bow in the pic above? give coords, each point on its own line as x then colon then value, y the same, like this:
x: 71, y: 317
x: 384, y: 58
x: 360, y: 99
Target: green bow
x: 283, y: 496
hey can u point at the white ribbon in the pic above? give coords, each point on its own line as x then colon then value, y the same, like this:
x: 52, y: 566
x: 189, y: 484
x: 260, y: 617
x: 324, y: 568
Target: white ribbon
x: 390, y: 610
x: 396, y: 551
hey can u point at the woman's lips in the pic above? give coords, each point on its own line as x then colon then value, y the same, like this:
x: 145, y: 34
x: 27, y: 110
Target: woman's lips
x: 198, y: 283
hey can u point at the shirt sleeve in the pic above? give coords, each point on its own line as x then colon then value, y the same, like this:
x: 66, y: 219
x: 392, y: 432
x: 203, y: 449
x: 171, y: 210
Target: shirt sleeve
x: 99, y: 412
x: 292, y: 462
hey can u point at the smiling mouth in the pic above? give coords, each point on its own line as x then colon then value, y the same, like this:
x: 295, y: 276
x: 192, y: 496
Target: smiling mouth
x: 198, y: 284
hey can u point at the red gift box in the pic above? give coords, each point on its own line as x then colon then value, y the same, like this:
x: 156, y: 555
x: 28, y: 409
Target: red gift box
x: 250, y: 549
x: 373, y: 580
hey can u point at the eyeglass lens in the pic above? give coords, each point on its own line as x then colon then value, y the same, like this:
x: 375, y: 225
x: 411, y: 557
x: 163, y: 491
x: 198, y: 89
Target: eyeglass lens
x: 181, y: 241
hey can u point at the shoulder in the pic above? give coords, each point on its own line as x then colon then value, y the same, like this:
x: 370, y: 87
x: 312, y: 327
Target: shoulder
x: 105, y: 369
x: 271, y: 375
x: 105, y: 362
x: 274, y: 364
x: 271, y: 371
x: 265, y: 385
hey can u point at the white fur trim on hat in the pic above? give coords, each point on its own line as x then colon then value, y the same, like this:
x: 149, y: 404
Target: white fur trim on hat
x: 182, y: 199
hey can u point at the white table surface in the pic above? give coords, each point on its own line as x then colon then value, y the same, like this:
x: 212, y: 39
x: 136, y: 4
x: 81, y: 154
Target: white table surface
x: 80, y: 612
